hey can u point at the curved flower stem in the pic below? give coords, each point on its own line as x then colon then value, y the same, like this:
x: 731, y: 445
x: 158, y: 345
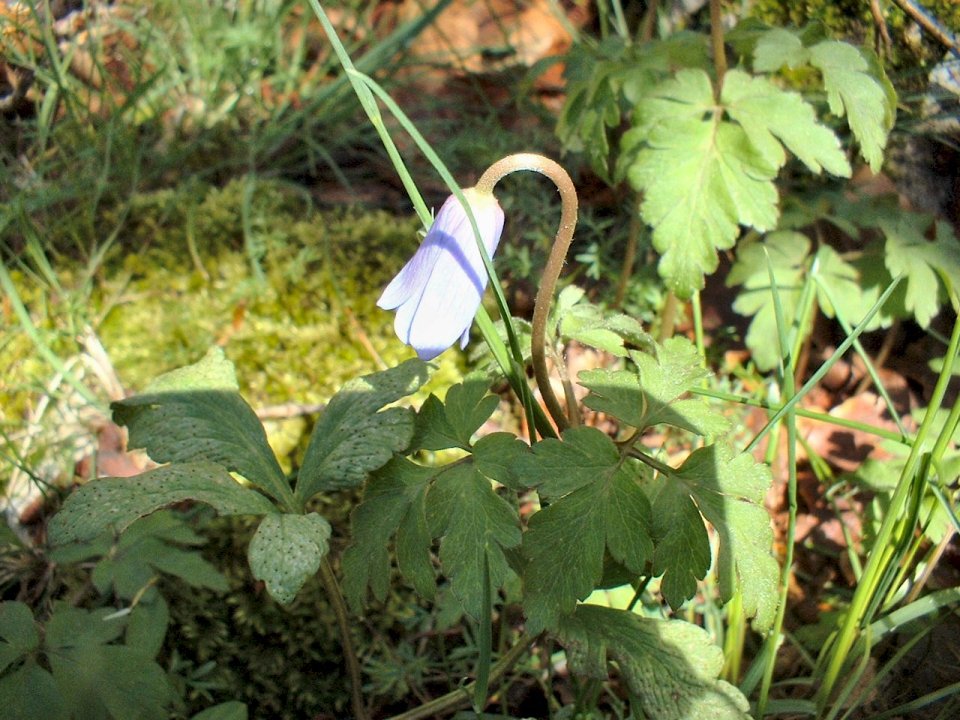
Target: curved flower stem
x: 551, y: 272
x: 329, y: 580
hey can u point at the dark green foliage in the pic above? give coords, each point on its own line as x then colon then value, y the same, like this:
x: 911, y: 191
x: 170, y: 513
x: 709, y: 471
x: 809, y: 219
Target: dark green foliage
x: 76, y: 668
x: 283, y: 661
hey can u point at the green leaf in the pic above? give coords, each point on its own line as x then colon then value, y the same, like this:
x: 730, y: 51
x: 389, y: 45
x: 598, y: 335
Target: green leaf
x: 682, y: 552
x: 147, y: 548
x: 702, y: 175
x: 560, y: 467
x: 99, y: 679
x: 671, y: 667
x: 854, y: 286
x: 588, y: 324
x: 286, y: 550
x: 232, y: 710
x: 147, y: 626
x: 928, y: 265
x: 352, y: 439
x: 117, y: 502
x: 771, y: 116
x: 217, y: 426
x: 776, y: 48
x: 451, y: 423
x: 111, y: 680
x: 853, y: 77
x: 498, y: 455
x: 213, y: 372
x: 649, y: 395
x: 596, y: 504
x: 847, y: 289
x: 857, y: 86
x: 393, y: 503
x: 729, y: 490
x: 786, y: 254
x: 475, y: 526
x: 71, y: 627
x: 18, y: 634
x: 29, y: 693
x: 700, y: 179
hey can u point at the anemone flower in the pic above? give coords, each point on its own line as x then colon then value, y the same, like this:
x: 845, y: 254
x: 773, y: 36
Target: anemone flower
x: 437, y: 292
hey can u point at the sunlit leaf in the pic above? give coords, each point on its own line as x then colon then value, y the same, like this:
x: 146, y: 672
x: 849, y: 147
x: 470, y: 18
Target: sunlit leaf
x: 650, y: 395
x: 670, y: 666
x: 703, y: 175
x: 729, y: 490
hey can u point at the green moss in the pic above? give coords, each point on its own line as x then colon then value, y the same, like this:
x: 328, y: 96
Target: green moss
x: 852, y: 20
x: 296, y: 335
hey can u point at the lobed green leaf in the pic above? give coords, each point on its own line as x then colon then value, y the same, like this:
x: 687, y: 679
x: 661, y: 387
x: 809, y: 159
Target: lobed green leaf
x: 649, y: 395
x: 353, y: 436
x: 729, y: 490
x: 453, y: 422
x: 929, y: 266
x: 476, y: 526
x: 596, y: 506
x: 394, y: 498
x: 670, y: 666
x: 18, y: 634
x: 117, y: 502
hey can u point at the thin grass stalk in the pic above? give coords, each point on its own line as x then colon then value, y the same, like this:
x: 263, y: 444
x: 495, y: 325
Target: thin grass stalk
x: 868, y: 363
x: 788, y: 360
x: 825, y: 368
x: 879, y: 432
x: 952, y: 690
x: 835, y: 654
x: 26, y: 322
x: 853, y: 678
x: 463, y: 696
x: 874, y: 683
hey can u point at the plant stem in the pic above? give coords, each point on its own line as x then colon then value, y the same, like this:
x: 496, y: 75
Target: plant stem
x: 332, y: 587
x: 788, y: 374
x: 649, y: 21
x: 551, y: 272
x: 668, y: 317
x: 716, y: 40
x: 462, y: 696
x: 629, y: 257
x: 802, y: 412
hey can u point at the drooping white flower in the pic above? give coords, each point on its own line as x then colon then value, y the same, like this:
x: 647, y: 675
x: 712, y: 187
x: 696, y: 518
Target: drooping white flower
x: 438, y: 291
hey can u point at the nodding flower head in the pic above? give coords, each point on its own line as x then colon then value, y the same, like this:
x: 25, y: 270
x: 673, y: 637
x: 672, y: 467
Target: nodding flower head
x: 437, y: 293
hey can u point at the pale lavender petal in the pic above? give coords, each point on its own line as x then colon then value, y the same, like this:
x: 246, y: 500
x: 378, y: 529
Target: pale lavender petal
x: 438, y: 291
x: 411, y: 278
